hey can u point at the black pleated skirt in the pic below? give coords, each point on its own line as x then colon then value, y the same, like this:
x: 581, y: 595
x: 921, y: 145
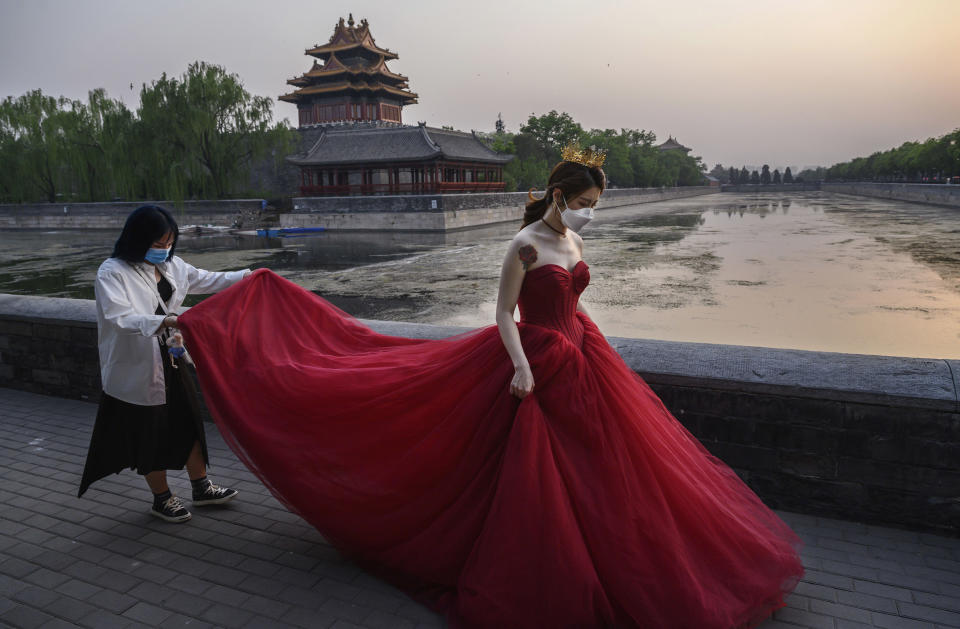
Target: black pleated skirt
x: 147, y: 438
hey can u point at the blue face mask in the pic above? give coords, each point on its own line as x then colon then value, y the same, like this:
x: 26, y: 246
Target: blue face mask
x: 156, y: 256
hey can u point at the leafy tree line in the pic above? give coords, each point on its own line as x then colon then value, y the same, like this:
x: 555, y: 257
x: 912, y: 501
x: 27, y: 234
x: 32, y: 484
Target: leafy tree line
x: 192, y: 136
x: 935, y: 160
x: 764, y: 176
x: 632, y: 159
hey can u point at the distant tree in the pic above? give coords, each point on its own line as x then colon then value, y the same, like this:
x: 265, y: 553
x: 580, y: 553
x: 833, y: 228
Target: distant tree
x: 500, y: 127
x: 529, y: 169
x: 732, y: 175
x: 928, y: 161
x: 776, y: 176
x: 787, y: 176
x: 551, y: 132
x: 812, y: 174
x: 765, y: 175
x: 755, y: 177
x: 744, y: 176
x: 617, y: 167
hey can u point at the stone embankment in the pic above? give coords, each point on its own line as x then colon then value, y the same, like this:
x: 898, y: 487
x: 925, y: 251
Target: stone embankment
x: 868, y: 438
x: 446, y: 212
x: 383, y: 213
x: 770, y: 187
x: 239, y: 213
x: 936, y: 194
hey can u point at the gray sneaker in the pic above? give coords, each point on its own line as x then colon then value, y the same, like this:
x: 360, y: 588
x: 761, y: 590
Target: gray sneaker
x: 172, y: 510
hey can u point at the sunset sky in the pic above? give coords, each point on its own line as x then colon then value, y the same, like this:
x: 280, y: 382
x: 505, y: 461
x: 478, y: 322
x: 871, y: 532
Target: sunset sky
x: 738, y: 81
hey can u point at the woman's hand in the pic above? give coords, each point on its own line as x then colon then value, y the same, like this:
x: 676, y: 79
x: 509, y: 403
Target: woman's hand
x: 522, y: 383
x: 170, y: 321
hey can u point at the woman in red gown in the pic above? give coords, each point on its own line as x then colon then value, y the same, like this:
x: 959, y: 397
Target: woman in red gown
x: 515, y: 476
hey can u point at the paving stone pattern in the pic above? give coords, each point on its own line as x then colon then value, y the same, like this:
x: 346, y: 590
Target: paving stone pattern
x: 103, y: 561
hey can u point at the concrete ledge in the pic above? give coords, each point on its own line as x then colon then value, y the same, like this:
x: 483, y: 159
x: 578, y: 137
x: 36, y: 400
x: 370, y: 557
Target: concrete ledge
x: 869, y: 438
x: 919, y: 382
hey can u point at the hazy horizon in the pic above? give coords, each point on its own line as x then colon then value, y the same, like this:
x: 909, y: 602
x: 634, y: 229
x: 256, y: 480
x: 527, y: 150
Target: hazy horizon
x: 741, y: 83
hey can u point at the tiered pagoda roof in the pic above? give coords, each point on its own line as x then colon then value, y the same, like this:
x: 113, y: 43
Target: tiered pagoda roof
x: 351, y: 63
x: 672, y: 145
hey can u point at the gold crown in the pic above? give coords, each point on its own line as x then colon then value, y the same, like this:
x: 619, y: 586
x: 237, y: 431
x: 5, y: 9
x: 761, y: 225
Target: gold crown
x: 590, y: 157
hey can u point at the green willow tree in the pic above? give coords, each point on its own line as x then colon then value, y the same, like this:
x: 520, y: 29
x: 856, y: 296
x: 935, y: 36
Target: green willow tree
x: 204, y: 129
x: 33, y: 150
x: 99, y: 135
x: 192, y: 136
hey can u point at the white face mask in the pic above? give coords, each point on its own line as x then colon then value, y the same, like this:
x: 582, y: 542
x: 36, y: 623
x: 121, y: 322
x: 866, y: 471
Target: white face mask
x: 575, y: 219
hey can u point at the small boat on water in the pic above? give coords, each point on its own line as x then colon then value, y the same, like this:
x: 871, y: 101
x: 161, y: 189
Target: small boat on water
x: 285, y: 232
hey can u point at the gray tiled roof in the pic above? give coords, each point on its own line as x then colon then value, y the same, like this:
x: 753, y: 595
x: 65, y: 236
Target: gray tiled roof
x: 671, y: 144
x: 460, y: 145
x: 351, y: 145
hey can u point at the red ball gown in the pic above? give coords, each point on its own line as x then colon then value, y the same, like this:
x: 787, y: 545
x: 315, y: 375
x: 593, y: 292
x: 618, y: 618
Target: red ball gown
x: 586, y: 504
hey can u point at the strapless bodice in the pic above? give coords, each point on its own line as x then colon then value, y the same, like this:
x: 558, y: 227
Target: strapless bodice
x: 549, y: 297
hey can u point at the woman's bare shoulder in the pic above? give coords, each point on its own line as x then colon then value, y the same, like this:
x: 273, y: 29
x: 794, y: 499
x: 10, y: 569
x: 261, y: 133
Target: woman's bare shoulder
x: 526, y: 236
x: 577, y: 239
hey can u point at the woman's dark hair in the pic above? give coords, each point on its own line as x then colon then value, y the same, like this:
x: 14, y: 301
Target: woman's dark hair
x: 144, y: 226
x: 572, y: 179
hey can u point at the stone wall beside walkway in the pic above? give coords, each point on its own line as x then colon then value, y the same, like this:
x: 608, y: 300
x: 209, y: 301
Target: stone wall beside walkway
x: 867, y: 438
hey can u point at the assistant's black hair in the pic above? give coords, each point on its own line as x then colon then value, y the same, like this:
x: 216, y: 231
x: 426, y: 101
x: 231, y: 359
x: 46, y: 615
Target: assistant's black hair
x: 144, y: 226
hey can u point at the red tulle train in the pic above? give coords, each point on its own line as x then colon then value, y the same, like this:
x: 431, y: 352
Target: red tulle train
x: 587, y: 504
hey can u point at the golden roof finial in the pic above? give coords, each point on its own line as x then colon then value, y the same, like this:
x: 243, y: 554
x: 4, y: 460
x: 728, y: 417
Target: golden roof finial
x: 350, y: 21
x: 590, y: 157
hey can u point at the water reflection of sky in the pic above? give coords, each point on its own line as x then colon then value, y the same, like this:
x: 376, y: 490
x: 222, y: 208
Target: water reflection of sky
x: 810, y: 271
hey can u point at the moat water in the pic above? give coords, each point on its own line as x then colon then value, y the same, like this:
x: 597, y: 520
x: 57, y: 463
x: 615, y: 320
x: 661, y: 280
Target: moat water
x: 797, y: 270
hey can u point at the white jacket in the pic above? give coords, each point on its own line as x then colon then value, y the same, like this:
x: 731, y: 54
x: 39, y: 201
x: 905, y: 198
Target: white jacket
x: 127, y: 298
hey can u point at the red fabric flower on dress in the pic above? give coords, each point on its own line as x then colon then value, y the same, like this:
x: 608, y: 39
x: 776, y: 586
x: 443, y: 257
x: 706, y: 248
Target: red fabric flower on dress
x: 528, y: 255
x: 581, y: 277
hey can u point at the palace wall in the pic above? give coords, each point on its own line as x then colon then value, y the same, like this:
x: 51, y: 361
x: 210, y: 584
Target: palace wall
x: 867, y: 438
x: 445, y: 212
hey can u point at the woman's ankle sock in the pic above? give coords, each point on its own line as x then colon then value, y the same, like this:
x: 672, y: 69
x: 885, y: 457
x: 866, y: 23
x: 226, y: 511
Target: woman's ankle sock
x: 159, y: 499
x: 199, y: 485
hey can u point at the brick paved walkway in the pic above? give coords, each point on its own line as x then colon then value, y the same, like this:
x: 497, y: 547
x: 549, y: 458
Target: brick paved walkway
x: 103, y: 561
